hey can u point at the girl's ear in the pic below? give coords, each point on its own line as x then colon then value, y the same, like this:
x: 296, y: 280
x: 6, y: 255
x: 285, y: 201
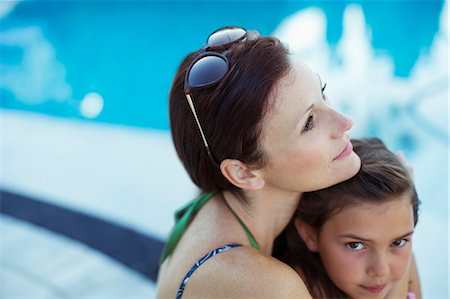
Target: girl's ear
x: 308, y: 234
x: 241, y: 175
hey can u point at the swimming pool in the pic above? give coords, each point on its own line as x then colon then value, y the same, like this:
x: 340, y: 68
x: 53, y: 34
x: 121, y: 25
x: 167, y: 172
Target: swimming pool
x: 103, y: 69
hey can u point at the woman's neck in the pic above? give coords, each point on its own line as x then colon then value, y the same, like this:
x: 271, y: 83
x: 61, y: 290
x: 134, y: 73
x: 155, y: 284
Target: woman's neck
x: 265, y: 213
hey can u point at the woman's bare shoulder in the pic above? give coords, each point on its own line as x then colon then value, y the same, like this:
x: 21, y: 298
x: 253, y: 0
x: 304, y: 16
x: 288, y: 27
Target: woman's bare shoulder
x: 245, y: 273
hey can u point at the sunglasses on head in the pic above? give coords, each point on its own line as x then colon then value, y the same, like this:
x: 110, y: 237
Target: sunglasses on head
x: 210, y: 67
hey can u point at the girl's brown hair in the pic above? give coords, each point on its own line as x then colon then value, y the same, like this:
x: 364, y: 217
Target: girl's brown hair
x: 230, y: 111
x: 382, y: 178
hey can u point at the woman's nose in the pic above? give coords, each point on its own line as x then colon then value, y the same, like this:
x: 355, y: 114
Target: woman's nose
x: 340, y: 124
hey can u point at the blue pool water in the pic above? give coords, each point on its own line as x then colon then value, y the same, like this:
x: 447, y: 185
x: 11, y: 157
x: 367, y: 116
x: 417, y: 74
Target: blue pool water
x: 103, y: 69
x: 127, y: 51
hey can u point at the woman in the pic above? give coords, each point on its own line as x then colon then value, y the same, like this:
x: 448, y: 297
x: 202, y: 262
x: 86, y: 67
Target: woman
x: 252, y: 128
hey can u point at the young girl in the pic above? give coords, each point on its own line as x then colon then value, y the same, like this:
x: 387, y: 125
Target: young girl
x: 354, y: 239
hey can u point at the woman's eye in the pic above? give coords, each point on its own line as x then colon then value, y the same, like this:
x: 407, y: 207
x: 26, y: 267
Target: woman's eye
x: 324, y: 96
x: 309, y: 124
x: 399, y: 243
x: 355, y: 246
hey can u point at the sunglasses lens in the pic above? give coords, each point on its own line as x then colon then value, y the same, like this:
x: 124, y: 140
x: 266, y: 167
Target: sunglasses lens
x: 226, y: 36
x: 207, y: 70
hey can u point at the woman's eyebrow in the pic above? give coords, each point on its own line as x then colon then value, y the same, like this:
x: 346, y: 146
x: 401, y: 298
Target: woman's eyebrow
x: 320, y: 80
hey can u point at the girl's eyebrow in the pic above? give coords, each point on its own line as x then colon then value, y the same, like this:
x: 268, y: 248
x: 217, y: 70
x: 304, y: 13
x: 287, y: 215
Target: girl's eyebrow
x: 356, y: 237
x: 352, y: 236
x: 405, y: 235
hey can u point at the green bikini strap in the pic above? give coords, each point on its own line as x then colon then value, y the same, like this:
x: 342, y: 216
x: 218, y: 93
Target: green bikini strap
x: 183, y: 217
x: 250, y: 237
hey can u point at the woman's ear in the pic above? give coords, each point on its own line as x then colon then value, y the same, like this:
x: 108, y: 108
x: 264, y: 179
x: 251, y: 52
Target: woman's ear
x: 241, y: 175
x: 308, y: 234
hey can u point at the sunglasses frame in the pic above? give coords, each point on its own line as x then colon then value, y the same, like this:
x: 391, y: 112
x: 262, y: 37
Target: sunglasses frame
x: 204, y: 52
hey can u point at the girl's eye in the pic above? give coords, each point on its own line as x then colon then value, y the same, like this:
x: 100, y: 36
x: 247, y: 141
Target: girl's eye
x: 355, y: 246
x: 309, y: 124
x: 399, y: 243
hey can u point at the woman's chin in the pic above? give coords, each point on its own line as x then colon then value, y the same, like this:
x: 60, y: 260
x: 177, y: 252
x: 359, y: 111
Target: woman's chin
x: 348, y: 167
x: 355, y: 164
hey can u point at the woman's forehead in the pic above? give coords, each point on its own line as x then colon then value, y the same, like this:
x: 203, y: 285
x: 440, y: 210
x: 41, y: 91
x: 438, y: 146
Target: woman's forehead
x: 296, y: 89
x: 289, y: 102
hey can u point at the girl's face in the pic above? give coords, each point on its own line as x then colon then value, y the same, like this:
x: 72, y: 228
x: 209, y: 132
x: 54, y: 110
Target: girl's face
x: 366, y: 248
x: 305, y: 141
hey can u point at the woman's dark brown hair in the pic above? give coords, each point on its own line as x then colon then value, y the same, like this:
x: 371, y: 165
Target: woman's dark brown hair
x: 230, y: 111
x: 382, y: 178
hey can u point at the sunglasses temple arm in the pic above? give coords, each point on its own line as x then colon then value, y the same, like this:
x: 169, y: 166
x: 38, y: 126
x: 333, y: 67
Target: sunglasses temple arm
x: 191, y: 105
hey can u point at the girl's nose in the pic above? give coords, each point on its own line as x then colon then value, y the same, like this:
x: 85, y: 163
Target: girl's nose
x: 379, y: 266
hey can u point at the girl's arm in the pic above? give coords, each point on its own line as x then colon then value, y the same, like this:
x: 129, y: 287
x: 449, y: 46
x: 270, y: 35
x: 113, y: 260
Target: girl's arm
x: 414, y: 281
x: 400, y: 289
x: 409, y: 283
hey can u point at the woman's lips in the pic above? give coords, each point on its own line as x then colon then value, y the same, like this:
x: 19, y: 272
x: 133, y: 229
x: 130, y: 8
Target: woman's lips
x: 375, y: 289
x: 345, y: 152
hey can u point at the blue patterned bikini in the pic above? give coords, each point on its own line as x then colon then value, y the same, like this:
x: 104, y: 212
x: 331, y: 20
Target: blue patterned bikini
x: 182, y: 219
x: 200, y: 262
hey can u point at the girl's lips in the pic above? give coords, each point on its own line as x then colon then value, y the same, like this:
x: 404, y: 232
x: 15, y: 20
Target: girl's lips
x: 345, y: 152
x: 375, y: 289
